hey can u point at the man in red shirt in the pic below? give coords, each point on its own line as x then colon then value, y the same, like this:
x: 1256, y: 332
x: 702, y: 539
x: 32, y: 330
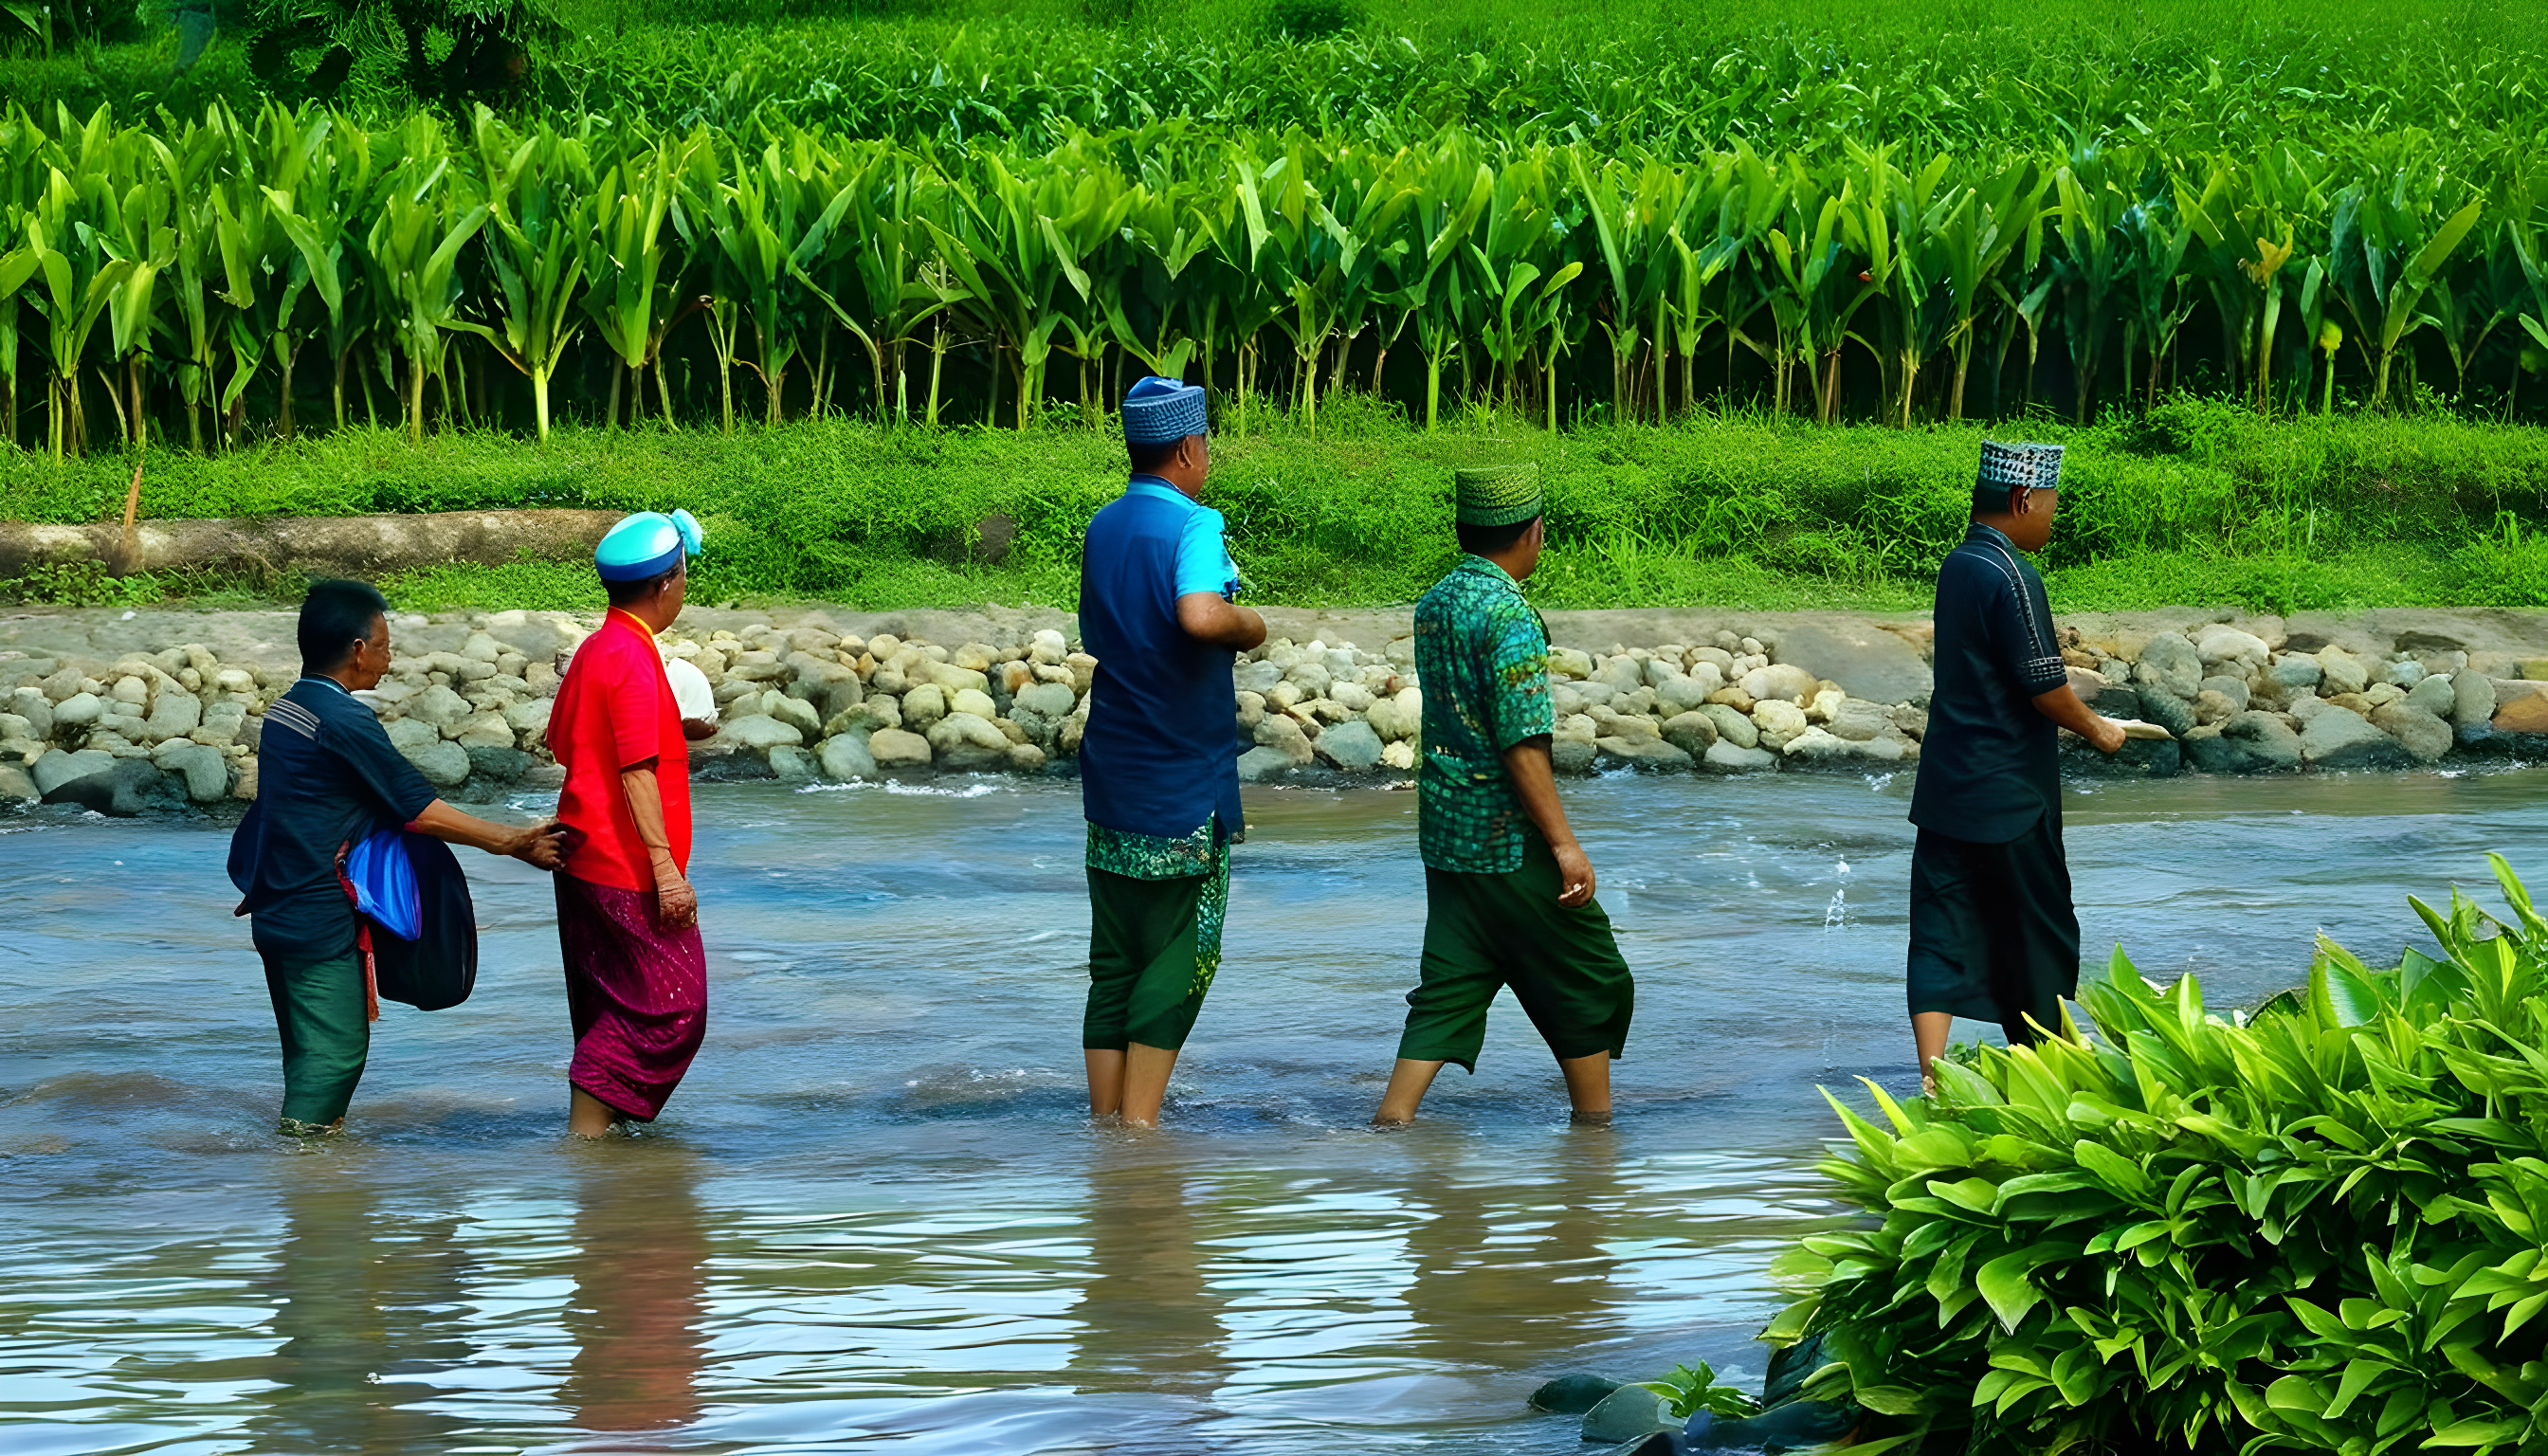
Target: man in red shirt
x: 636, y: 975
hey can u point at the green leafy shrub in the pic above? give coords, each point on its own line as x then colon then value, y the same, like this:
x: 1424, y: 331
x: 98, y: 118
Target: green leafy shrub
x: 2321, y: 1227
x: 1689, y: 1388
x: 79, y: 583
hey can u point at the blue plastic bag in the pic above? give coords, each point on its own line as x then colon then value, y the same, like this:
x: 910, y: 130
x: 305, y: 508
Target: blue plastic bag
x: 384, y: 882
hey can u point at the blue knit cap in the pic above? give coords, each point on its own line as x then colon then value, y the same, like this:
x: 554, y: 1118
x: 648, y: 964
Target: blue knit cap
x: 647, y: 544
x: 1163, y: 411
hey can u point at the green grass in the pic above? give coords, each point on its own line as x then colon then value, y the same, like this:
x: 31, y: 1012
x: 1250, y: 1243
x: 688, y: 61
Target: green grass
x: 2196, y: 504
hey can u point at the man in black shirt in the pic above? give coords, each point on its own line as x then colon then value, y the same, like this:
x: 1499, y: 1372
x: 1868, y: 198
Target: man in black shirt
x: 1993, y: 936
x: 327, y: 777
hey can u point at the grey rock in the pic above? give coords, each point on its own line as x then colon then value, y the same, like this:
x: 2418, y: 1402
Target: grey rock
x: 1052, y: 700
x: 2119, y: 701
x: 1818, y: 748
x: 1255, y: 676
x: 2437, y: 695
x: 1631, y: 1412
x: 2210, y: 751
x: 845, y: 758
x: 133, y: 786
x: 31, y: 704
x: 796, y: 713
x: 967, y: 742
x: 2472, y: 698
x: 1779, y: 682
x: 15, y: 783
x: 759, y: 734
x: 2212, y: 708
x: 2222, y: 642
x: 2295, y: 672
x: 2233, y: 688
x: 58, y: 768
x: 2139, y: 757
x: 1572, y: 1394
x: 439, y: 706
x: 2406, y: 674
x: 1859, y: 721
x: 444, y: 763
x: 174, y: 715
x: 1571, y: 754
x: 2171, y: 663
x: 2420, y: 732
x: 1732, y: 725
x: 1865, y: 660
x: 1261, y: 762
x: 2342, y: 672
x: 1350, y: 746
x: 1310, y: 678
x: 1729, y: 757
x: 1284, y: 734
x: 791, y: 765
x: 498, y: 761
x: 204, y: 773
x: 1682, y: 692
x: 2166, y: 710
x: 1649, y: 755
x: 2339, y: 738
x: 1694, y: 733
x: 1620, y: 673
x: 78, y: 710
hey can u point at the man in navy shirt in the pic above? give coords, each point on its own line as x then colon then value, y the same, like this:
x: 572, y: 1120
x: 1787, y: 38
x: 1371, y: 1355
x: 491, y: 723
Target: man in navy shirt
x: 1993, y: 935
x: 327, y: 777
x: 1158, y: 763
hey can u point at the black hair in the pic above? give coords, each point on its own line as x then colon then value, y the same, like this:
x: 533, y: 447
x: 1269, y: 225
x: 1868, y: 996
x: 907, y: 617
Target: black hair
x: 623, y: 593
x: 1489, y: 540
x: 1993, y: 499
x: 334, y: 616
x: 1149, y: 455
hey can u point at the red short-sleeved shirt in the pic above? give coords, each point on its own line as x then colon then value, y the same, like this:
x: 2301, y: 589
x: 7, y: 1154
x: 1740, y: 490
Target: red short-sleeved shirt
x: 615, y: 709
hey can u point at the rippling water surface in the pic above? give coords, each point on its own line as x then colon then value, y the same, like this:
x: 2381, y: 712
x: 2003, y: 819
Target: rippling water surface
x: 876, y: 1219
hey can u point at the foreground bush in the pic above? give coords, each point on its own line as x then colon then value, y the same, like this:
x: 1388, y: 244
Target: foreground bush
x: 2319, y: 1228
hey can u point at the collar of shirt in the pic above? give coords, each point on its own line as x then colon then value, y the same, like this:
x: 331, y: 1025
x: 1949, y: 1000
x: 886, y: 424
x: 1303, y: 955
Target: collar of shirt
x: 1475, y: 565
x: 330, y: 681
x: 1150, y: 485
x: 1976, y: 531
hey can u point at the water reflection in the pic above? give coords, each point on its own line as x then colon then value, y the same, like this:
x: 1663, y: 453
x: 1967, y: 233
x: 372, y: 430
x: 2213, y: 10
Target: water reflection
x: 640, y: 1270
x: 1503, y: 1267
x: 1147, y: 1314
x: 366, y: 1308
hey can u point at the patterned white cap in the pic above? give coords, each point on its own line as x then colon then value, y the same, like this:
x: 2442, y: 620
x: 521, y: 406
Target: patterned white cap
x: 2019, y: 465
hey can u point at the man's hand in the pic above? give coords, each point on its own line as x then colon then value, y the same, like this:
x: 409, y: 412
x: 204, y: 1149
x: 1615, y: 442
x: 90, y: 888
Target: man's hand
x: 1574, y: 874
x: 676, y: 905
x: 2065, y: 709
x: 542, y: 845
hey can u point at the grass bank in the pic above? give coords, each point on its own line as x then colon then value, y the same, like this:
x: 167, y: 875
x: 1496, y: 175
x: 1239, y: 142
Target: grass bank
x: 2197, y: 503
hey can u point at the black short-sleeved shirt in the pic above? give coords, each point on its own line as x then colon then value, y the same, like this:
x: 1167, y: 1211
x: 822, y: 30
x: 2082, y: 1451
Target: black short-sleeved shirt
x: 327, y: 775
x: 1988, y: 765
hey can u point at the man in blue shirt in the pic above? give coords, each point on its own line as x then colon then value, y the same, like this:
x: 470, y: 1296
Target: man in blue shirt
x: 1159, y: 761
x: 1993, y: 935
x: 330, y: 778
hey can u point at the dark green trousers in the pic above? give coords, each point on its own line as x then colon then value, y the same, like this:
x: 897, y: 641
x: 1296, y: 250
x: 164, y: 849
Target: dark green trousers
x: 319, y: 1009
x: 1486, y: 931
x: 1153, y: 948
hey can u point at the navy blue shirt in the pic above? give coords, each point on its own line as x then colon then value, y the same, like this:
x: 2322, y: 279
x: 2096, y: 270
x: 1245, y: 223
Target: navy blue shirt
x: 327, y: 775
x: 1988, y: 762
x: 1161, y: 754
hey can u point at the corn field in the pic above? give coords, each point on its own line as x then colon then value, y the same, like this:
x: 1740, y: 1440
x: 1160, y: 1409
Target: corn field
x: 232, y: 277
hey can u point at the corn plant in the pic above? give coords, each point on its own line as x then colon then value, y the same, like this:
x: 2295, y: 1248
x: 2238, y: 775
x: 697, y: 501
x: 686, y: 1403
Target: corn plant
x: 2389, y: 250
x: 541, y: 212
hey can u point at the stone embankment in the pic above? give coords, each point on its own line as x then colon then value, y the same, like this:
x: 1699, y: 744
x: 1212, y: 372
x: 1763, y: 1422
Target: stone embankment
x: 805, y: 697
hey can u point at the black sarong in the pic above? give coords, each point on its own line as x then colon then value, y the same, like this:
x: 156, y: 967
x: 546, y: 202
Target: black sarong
x: 1993, y: 936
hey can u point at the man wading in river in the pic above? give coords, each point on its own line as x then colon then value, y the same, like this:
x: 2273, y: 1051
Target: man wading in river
x: 332, y: 777
x: 1993, y: 936
x: 1160, y: 760
x: 1508, y: 891
x: 628, y: 921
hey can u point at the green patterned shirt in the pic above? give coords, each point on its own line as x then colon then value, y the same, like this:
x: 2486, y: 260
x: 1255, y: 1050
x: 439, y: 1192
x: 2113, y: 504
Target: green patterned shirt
x: 1151, y: 857
x: 1482, y: 656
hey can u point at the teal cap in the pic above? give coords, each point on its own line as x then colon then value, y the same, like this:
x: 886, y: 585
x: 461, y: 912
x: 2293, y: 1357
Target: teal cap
x: 647, y: 544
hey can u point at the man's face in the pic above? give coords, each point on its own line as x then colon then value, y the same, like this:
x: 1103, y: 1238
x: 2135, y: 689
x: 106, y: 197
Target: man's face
x: 371, y: 660
x: 2032, y: 518
x: 676, y: 592
x: 1528, y: 547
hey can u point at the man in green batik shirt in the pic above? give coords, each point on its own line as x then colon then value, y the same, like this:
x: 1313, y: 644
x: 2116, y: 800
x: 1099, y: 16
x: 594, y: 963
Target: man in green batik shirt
x: 1508, y: 891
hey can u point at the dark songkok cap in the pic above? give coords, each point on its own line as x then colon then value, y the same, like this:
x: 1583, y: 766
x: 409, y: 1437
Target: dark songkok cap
x: 1496, y: 495
x: 1161, y: 411
x: 2010, y: 467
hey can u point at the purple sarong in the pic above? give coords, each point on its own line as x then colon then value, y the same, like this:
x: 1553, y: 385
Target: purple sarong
x: 636, y: 994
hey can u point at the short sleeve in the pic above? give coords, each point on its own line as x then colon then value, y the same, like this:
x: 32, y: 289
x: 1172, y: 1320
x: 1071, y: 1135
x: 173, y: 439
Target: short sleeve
x: 1202, y: 556
x: 632, y: 699
x: 2020, y: 635
x: 1517, y: 657
x: 360, y: 743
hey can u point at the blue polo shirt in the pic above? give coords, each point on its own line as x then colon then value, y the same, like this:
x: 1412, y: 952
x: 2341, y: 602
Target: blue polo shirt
x: 1161, y: 754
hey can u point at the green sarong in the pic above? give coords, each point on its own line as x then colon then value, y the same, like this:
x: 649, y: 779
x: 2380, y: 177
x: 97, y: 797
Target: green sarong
x: 319, y: 1007
x: 1484, y: 932
x: 1153, y: 940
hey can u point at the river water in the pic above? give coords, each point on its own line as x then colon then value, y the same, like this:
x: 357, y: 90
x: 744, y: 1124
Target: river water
x: 877, y: 1218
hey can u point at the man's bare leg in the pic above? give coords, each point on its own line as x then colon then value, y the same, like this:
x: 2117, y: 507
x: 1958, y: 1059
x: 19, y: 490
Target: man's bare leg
x: 1929, y: 1031
x: 1588, y: 1086
x: 1105, y: 1081
x: 588, y: 1116
x: 1407, y: 1083
x: 1145, y: 1083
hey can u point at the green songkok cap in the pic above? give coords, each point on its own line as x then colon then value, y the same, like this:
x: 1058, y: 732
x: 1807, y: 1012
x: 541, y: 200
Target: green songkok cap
x: 1496, y: 495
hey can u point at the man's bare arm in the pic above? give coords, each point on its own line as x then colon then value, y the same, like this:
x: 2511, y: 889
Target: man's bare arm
x: 1535, y: 778
x: 2065, y: 709
x: 1206, y: 618
x: 676, y: 902
x: 535, y: 844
